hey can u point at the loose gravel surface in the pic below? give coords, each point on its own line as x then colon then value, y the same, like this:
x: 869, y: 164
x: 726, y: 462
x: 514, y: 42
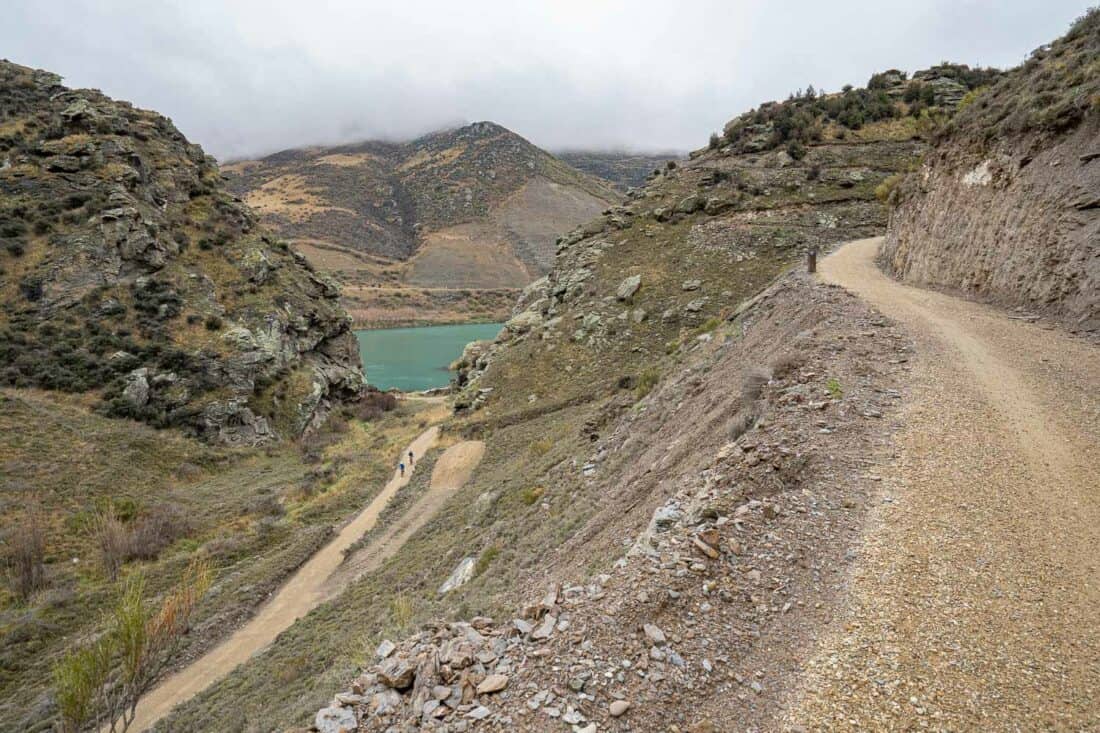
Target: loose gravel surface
x: 976, y: 594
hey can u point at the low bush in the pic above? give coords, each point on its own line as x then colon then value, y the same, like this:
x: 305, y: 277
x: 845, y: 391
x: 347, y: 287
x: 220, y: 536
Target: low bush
x: 646, y: 382
x: 26, y: 553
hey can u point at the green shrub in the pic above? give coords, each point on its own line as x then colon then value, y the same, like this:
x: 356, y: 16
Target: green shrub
x: 884, y: 191
x: 532, y: 494
x: 646, y: 382
x: 486, y: 558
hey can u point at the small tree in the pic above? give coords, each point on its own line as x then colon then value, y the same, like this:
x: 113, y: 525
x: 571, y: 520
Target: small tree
x: 99, y: 685
x: 715, y: 141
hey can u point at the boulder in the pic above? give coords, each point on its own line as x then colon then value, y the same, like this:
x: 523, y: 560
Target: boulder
x: 136, y: 391
x: 690, y: 204
x: 523, y: 322
x: 462, y: 574
x: 628, y: 287
x: 397, y: 673
x: 336, y: 719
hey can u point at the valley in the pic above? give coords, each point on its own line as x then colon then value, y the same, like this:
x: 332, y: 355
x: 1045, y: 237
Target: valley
x: 456, y: 435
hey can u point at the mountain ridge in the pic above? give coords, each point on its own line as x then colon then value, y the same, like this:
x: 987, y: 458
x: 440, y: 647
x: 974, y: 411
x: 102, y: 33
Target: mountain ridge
x: 449, y: 224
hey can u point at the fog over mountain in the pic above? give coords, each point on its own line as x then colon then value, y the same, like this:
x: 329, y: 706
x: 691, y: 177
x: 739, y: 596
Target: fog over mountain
x: 253, y: 76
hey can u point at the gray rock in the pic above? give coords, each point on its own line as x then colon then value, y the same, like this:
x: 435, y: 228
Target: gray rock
x: 397, y: 672
x: 136, y: 391
x: 461, y: 575
x: 654, y: 633
x: 691, y: 204
x: 628, y: 287
x: 618, y: 707
x: 385, y: 649
x: 335, y: 719
x: 690, y: 285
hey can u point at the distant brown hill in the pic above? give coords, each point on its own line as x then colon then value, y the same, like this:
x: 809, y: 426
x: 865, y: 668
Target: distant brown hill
x: 443, y: 228
x: 625, y: 170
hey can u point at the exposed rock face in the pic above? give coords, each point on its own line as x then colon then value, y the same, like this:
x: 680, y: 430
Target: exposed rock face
x: 131, y: 273
x: 1015, y: 233
x: 1014, y: 218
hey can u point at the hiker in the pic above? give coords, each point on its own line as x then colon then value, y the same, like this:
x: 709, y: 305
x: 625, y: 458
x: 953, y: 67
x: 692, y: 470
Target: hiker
x: 411, y: 458
x: 401, y: 466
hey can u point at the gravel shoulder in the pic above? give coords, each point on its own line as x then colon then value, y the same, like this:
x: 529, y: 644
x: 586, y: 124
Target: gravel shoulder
x: 975, y: 594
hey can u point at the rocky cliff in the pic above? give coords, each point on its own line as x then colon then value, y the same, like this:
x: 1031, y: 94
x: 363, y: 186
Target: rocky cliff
x: 446, y: 227
x: 130, y: 274
x: 1006, y: 207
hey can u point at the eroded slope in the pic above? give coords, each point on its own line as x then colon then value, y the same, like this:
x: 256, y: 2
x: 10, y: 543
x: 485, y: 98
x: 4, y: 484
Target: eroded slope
x: 1006, y: 208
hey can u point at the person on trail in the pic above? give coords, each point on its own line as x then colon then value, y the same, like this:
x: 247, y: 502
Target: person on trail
x: 410, y: 458
x: 401, y: 466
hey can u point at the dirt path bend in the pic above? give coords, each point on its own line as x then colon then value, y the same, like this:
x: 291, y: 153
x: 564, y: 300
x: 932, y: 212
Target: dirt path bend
x: 975, y: 597
x: 299, y: 595
x: 451, y: 472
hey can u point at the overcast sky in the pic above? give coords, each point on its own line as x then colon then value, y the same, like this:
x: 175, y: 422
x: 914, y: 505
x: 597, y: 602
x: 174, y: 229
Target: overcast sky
x: 244, y: 77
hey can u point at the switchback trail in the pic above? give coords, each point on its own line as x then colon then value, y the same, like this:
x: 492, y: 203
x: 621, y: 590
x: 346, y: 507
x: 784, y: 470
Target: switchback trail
x: 975, y: 596
x: 300, y: 594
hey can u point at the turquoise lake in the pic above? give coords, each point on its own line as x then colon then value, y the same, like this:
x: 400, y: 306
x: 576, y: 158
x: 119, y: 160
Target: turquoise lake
x: 412, y: 359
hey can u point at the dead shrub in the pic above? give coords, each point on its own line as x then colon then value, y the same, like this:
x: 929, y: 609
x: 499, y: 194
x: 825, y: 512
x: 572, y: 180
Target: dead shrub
x: 372, y: 405
x: 741, y: 423
x: 753, y: 383
x: 112, y: 538
x: 152, y: 532
x: 143, y: 538
x: 787, y: 364
x: 26, y: 555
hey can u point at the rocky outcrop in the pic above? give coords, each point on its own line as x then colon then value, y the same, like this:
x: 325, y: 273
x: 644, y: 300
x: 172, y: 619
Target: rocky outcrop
x: 1006, y: 207
x: 141, y: 280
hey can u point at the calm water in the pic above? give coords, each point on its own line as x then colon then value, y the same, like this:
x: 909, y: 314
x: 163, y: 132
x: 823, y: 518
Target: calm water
x: 417, y: 358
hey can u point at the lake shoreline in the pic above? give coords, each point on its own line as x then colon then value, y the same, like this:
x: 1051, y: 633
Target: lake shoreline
x: 417, y: 358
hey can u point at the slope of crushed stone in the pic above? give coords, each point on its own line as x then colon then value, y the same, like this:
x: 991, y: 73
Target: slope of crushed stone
x: 733, y: 547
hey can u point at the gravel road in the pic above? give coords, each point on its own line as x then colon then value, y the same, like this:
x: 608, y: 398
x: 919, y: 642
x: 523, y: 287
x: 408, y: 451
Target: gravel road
x: 975, y: 598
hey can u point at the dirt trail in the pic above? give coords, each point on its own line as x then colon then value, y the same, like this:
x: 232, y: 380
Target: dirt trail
x: 975, y: 598
x: 299, y: 595
x: 451, y: 472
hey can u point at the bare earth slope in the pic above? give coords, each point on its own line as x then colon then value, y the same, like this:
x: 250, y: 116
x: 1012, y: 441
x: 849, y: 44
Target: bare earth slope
x: 1007, y: 207
x: 975, y: 595
x: 445, y: 227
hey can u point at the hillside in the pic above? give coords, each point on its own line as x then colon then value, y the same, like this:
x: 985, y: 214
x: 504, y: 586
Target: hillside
x: 625, y: 170
x: 1006, y: 208
x: 132, y: 277
x: 446, y: 227
x: 136, y: 296
x: 669, y: 383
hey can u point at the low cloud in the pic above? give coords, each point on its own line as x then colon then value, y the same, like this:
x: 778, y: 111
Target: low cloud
x: 249, y: 77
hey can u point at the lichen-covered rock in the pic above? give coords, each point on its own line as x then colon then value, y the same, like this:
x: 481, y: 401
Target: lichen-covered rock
x: 119, y: 238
